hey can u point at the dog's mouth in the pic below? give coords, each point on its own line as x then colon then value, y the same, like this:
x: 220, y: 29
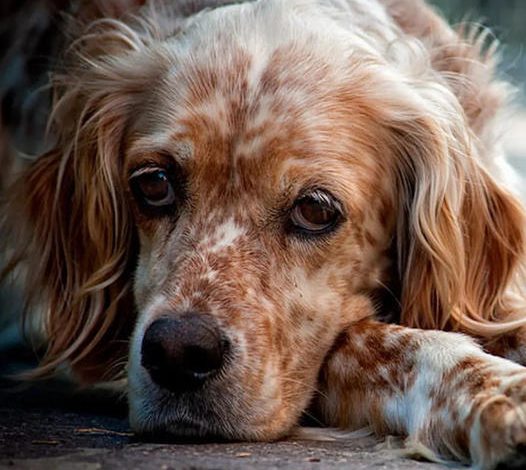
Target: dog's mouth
x: 205, y: 419
x: 200, y: 417
x: 183, y: 431
x: 188, y: 383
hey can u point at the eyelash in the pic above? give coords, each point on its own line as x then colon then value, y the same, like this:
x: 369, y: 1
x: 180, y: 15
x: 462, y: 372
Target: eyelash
x: 322, y: 197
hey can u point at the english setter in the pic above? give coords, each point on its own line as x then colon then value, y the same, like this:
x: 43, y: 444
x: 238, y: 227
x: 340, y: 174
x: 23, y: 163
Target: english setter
x: 263, y: 207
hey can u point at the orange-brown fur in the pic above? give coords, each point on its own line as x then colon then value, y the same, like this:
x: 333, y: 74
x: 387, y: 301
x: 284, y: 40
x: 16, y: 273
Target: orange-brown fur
x: 399, y: 126
x: 476, y: 401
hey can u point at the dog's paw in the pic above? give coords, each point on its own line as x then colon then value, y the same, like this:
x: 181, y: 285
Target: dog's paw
x: 498, y: 435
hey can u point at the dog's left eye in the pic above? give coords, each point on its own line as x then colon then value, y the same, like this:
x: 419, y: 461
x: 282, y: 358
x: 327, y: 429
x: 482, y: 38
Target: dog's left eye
x: 315, y: 213
x: 153, y: 187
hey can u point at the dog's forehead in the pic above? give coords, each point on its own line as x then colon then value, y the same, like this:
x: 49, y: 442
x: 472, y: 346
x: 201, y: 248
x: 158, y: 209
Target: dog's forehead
x: 249, y: 113
x: 245, y: 107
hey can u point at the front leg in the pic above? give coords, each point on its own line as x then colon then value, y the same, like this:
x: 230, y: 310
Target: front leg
x: 437, y: 388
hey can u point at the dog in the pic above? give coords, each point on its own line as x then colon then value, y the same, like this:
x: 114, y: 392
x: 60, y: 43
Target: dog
x: 256, y: 208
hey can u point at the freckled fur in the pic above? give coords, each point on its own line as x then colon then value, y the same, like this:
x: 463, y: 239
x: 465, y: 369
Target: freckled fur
x: 378, y: 101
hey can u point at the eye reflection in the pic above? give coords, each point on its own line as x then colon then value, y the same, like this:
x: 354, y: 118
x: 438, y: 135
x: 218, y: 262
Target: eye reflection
x: 316, y: 212
x: 152, y: 187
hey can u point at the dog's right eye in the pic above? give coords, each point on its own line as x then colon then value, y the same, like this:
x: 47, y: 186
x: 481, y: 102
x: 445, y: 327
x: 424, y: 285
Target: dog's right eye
x: 152, y: 187
x: 315, y: 213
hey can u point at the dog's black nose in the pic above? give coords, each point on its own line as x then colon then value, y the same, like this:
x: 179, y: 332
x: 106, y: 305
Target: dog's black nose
x: 182, y: 353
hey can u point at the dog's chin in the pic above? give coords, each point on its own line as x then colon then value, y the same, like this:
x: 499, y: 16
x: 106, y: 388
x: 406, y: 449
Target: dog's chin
x: 183, y: 428
x: 171, y: 421
x: 151, y: 422
x: 184, y: 431
x: 209, y: 415
x: 192, y: 431
x: 185, y: 424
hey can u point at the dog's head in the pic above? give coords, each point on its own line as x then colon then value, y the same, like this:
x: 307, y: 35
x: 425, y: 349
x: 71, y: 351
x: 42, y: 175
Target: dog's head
x: 235, y: 186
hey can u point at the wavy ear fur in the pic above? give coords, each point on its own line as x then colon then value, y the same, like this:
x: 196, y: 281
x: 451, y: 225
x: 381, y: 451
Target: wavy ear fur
x: 460, y: 237
x: 460, y: 234
x: 67, y: 221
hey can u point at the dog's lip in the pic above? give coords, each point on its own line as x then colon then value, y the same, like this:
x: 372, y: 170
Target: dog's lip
x: 176, y: 426
x: 182, y: 431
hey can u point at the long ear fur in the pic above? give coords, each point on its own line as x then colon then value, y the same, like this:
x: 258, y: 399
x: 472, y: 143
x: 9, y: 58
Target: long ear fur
x: 66, y: 219
x: 461, y: 235
x: 466, y: 60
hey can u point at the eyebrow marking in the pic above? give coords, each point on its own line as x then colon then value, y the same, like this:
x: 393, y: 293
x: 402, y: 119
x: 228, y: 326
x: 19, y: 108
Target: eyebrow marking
x: 162, y: 142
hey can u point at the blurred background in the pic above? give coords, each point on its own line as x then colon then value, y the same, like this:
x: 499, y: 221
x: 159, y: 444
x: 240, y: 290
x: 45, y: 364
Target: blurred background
x: 507, y: 21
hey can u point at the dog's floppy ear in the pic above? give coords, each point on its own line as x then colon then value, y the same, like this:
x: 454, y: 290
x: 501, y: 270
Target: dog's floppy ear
x: 67, y: 217
x: 73, y: 242
x: 460, y: 235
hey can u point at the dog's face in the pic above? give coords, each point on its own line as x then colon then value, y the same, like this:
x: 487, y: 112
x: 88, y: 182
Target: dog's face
x: 244, y: 179
x: 262, y: 223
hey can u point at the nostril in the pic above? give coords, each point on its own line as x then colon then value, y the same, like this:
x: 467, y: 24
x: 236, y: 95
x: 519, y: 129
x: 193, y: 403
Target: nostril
x: 199, y: 360
x: 204, y: 360
x: 180, y: 354
x: 153, y: 354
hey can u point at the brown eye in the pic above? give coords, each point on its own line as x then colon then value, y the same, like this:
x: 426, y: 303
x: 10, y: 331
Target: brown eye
x: 152, y: 186
x: 315, y: 213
